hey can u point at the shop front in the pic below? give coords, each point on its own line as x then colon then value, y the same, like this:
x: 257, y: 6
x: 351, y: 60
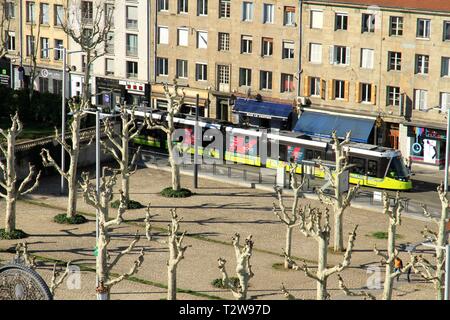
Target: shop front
x: 427, y: 145
x: 263, y: 114
x: 108, y: 92
x: 159, y: 100
x: 135, y: 93
x: 45, y: 79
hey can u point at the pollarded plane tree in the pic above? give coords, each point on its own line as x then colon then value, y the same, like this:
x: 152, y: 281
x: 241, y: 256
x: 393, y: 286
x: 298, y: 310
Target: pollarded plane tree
x: 73, y: 149
x: 393, y: 213
x: 243, y: 268
x: 100, y: 201
x: 89, y: 24
x: 315, y: 223
x: 175, y: 101
x: 289, y: 219
x: 434, y: 272
x: 338, y: 200
x: 8, y: 181
x: 119, y: 149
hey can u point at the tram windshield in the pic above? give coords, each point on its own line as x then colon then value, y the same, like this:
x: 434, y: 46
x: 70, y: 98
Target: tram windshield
x: 397, y: 170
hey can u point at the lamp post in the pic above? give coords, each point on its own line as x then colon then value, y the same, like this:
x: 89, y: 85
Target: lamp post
x: 64, y: 54
x: 98, y: 116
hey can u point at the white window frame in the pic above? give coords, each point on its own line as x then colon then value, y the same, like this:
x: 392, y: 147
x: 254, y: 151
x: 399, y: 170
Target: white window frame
x: 367, y: 89
x: 289, y: 16
x: 245, y: 77
x: 162, y: 67
x: 393, y: 93
x: 445, y: 66
x: 340, y: 51
x: 291, y: 83
x: 288, y: 49
x: 267, y: 47
x: 268, y: 13
x: 266, y: 77
x: 163, y: 37
x: 247, y: 11
x: 421, y: 99
x: 426, y: 28
x: 202, y: 39
x: 163, y: 5
x: 183, y: 37
x: 339, y: 25
x: 395, y: 26
x: 202, y: 7
x: 316, y: 19
x: 444, y: 101
x: 246, y: 44
x: 340, y: 86
x: 201, y: 71
x: 315, y: 53
x: 367, y: 58
x: 182, y: 69
x: 422, y: 64
x: 315, y: 89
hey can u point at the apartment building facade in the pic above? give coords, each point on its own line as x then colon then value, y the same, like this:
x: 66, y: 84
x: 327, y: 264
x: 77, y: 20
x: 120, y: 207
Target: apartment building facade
x: 38, y: 33
x: 386, y: 61
x: 122, y: 70
x: 229, y: 53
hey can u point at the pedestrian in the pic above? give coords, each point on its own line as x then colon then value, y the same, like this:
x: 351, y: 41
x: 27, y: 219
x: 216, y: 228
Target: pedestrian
x: 398, y: 266
x: 408, y: 274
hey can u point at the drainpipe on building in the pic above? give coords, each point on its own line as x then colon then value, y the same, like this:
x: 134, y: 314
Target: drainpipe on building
x: 21, y: 40
x: 300, y: 34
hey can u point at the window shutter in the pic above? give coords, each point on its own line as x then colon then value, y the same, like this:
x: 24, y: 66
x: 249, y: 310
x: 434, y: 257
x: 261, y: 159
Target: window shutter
x: 357, y: 92
x: 323, y: 85
x: 331, y: 89
x: 306, y: 91
x: 373, y: 96
x: 347, y: 58
x: 331, y: 54
x: 346, y: 90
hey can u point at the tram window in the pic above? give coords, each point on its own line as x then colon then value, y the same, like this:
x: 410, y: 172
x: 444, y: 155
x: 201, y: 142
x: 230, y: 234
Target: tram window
x: 372, y: 168
x: 318, y: 154
x: 283, y: 153
x: 309, y: 155
x: 359, y: 166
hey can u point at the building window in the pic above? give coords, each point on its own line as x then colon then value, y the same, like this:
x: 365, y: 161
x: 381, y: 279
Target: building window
x: 223, y: 75
x: 316, y: 19
x: 289, y: 16
x: 45, y: 51
x: 444, y: 101
x: 202, y: 7
x: 288, y: 49
x: 315, y: 53
x: 422, y: 63
x: 87, y: 12
x: 162, y: 66
x: 11, y: 41
x: 445, y: 67
x: 132, y: 69
x: 287, y: 83
x: 314, y: 87
x: 394, y: 61
x: 367, y: 56
x: 340, y: 55
x: 10, y: 10
x: 57, y: 86
x: 201, y: 72
x: 246, y: 44
x: 265, y: 80
x: 182, y: 69
x: 267, y: 47
x: 43, y: 84
x: 420, y: 99
x: 58, y: 15
x: 268, y: 13
x: 247, y: 11
x: 245, y: 77
x: 183, y: 6
x: 224, y: 41
x: 30, y: 45
x: 423, y: 28
x: 366, y: 92
x: 225, y: 8
x: 44, y: 14
x: 183, y: 36
x: 446, y: 30
x: 109, y: 67
x: 368, y: 22
x: 109, y: 43
x: 30, y: 14
x: 163, y: 5
x: 202, y: 39
x: 395, y: 26
x: 341, y: 21
x: 109, y: 14
x: 163, y: 35
x: 339, y: 89
x: 132, y: 44
x: 132, y: 17
x: 393, y: 96
x: 57, y: 54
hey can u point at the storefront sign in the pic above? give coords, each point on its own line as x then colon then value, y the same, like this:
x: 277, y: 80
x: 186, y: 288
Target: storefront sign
x: 4, y: 72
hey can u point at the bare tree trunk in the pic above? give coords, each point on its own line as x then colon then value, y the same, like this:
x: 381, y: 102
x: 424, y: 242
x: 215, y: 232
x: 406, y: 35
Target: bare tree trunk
x: 10, y: 223
x: 172, y: 282
x: 338, y: 230
x: 175, y: 169
x: 288, y: 246
x: 388, y: 279
x: 322, y: 293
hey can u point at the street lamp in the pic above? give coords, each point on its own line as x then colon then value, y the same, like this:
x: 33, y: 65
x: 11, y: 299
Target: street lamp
x: 98, y: 116
x: 64, y: 54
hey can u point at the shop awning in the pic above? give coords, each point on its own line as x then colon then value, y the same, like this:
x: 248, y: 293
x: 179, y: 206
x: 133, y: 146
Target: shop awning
x: 262, y: 109
x: 322, y: 125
